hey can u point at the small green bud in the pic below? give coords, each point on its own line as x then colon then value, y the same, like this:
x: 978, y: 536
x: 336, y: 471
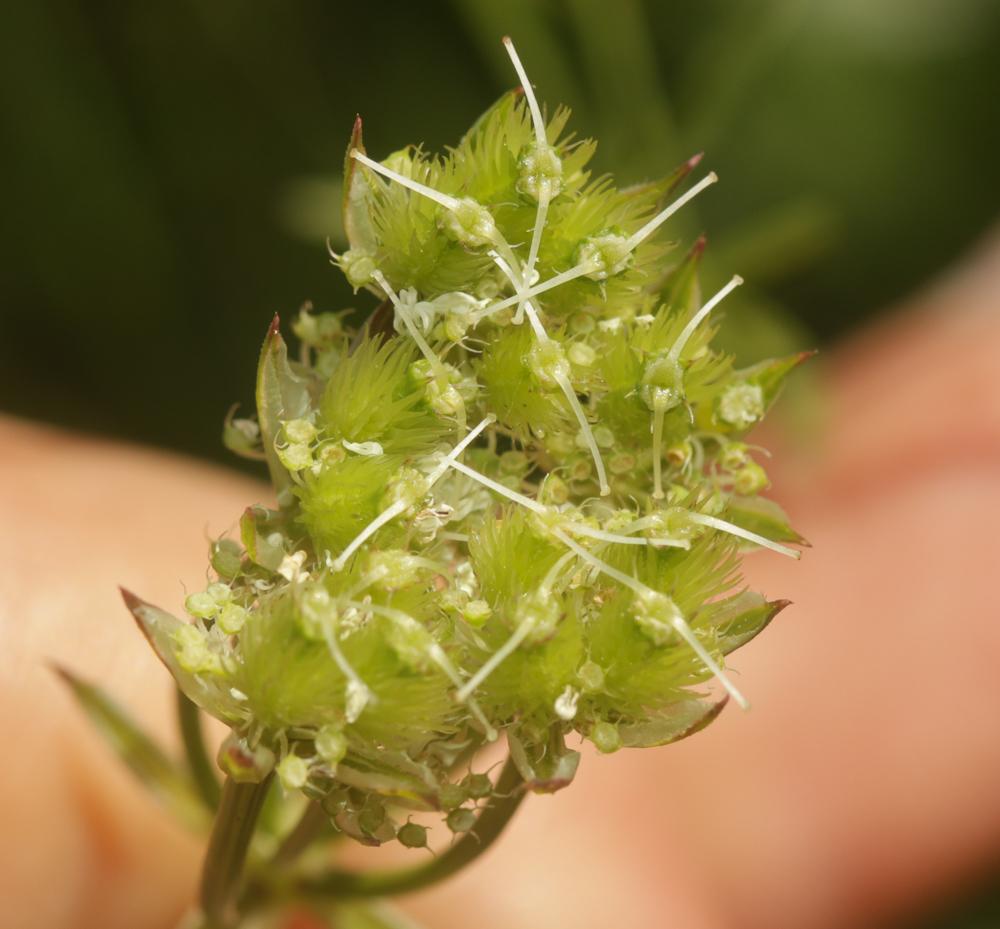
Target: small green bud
x: 540, y: 172
x: 476, y: 612
x: 331, y: 453
x: 591, y: 676
x: 580, y: 353
x: 232, y: 618
x: 655, y: 614
x: 470, y: 224
x: 582, y: 323
x: 607, y: 254
x: 300, y: 430
x: 733, y: 456
x: 408, y: 485
x: 412, y: 835
x: 331, y: 745
x: 452, y: 796
x: 604, y: 437
x: 621, y: 464
x: 513, y: 462
x: 372, y: 818
x: 461, y: 820
x: 478, y: 786
x: 227, y: 557
x: 295, y: 457
x: 202, y: 605
x: 680, y: 454
x: 741, y: 405
x: 220, y: 593
x: 548, y: 363
x: 750, y: 479
x: 581, y: 469
x: 358, y: 267
x: 605, y: 737
x: 244, y: 764
x: 293, y: 772
x: 553, y: 490
x: 193, y: 651
x: 662, y: 384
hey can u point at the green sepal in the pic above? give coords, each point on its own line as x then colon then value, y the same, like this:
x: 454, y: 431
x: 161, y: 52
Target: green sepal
x: 741, y: 618
x: 257, y: 525
x: 545, y: 766
x: 681, y: 291
x: 211, y: 694
x: 166, y: 780
x: 763, y: 516
x: 357, y: 196
x: 675, y: 722
x: 281, y: 395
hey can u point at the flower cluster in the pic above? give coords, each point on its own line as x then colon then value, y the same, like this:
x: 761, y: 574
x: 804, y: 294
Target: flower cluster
x: 513, y: 502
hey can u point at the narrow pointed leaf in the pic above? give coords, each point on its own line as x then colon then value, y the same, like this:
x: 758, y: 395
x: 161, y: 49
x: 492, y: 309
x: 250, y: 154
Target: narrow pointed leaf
x: 741, y: 618
x: 166, y: 780
x: 357, y: 194
x: 211, y: 694
x: 763, y: 516
x: 676, y: 722
x: 281, y: 395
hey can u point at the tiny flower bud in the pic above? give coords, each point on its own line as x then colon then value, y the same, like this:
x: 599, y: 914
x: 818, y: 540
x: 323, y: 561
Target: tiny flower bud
x: 412, y: 835
x: 461, y: 820
x: 452, y: 796
x: 470, y: 223
x: 202, y: 605
x: 580, y: 353
x: 226, y: 557
x: 548, y: 363
x: 193, y: 651
x: 741, y: 405
x: 750, y: 479
x: 590, y: 676
x: 300, y: 430
x: 733, y: 456
x: 295, y: 457
x: 540, y: 172
x: 478, y: 786
x: 358, y: 267
x: 662, y: 384
x: 476, y: 612
x: 231, y: 619
x: 293, y: 772
x: 553, y: 490
x: 621, y: 464
x: 607, y: 254
x: 655, y: 614
x: 605, y: 737
x: 331, y: 745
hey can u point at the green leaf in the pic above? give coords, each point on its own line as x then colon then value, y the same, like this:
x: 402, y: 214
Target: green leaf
x: 166, y: 780
x: 677, y: 721
x: 763, y: 516
x: 281, y: 395
x: 740, y: 618
x: 357, y: 194
x: 211, y: 694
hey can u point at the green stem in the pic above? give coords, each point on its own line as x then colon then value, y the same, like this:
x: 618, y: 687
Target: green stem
x: 309, y: 826
x: 227, y: 849
x: 344, y: 884
x: 202, y: 770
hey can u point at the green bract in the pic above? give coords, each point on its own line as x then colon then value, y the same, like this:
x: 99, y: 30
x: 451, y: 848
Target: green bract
x: 513, y: 503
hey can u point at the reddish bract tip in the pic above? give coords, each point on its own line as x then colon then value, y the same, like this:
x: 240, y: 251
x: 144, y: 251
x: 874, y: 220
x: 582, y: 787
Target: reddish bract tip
x: 275, y: 328
x: 698, y: 249
x: 694, y: 161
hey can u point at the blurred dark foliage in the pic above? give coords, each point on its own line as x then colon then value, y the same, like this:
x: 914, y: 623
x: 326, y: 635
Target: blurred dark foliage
x: 170, y: 168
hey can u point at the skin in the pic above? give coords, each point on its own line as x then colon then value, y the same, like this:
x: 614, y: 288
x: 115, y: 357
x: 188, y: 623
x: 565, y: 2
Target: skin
x: 861, y: 787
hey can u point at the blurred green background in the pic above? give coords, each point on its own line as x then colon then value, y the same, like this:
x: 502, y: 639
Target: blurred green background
x: 171, y: 170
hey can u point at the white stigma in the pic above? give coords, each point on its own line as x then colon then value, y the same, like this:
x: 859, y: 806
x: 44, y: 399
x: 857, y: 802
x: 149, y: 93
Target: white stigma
x: 449, y: 203
x: 695, y: 321
x: 738, y: 531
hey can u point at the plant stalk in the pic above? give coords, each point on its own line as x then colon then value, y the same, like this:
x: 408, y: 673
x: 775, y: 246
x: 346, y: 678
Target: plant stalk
x: 199, y: 763
x: 228, y: 845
